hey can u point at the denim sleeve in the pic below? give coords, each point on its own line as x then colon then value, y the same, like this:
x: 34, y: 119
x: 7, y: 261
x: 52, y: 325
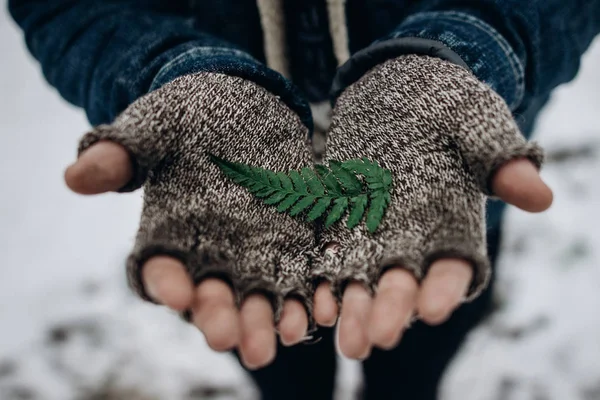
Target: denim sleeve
x: 522, y: 49
x: 103, y: 55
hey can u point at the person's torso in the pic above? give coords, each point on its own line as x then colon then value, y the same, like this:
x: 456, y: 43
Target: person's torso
x: 309, y: 47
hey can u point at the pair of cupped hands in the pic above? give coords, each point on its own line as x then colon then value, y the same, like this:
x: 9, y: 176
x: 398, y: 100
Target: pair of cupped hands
x: 244, y: 272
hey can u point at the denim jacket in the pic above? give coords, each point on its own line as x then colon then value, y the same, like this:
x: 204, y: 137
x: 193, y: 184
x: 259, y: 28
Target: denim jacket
x: 103, y: 55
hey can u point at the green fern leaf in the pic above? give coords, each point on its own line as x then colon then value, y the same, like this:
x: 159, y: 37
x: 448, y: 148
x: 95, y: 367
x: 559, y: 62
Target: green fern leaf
x: 264, y: 192
x: 298, y: 182
x: 275, y: 198
x: 302, y: 205
x: 289, y: 201
x: 376, y: 186
x: 331, y: 184
x: 325, y: 192
x: 319, y: 209
x: 239, y: 173
x: 286, y: 182
x: 230, y: 169
x: 251, y: 172
x: 359, y: 205
x: 261, y: 176
x: 373, y: 179
x: 347, y: 180
x: 274, y: 180
x: 313, y: 182
x: 357, y: 166
x: 255, y: 187
x: 337, y: 211
x: 379, y: 202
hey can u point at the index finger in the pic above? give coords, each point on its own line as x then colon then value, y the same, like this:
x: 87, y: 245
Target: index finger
x: 443, y: 289
x: 167, y: 282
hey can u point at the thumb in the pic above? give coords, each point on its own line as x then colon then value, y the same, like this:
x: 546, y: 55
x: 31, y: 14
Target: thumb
x: 104, y: 167
x: 518, y: 182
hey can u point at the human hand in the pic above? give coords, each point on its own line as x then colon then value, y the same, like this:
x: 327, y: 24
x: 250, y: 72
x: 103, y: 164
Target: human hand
x: 448, y: 140
x: 206, y: 245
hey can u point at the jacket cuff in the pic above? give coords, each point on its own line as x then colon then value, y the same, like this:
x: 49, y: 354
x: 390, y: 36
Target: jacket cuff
x: 454, y: 36
x: 235, y: 63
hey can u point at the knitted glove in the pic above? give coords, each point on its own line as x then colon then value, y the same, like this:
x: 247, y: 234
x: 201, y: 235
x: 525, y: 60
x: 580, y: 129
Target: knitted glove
x: 192, y: 211
x: 442, y: 134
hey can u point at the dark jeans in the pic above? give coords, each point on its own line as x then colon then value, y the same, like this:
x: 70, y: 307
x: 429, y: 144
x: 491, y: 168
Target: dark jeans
x: 411, y: 371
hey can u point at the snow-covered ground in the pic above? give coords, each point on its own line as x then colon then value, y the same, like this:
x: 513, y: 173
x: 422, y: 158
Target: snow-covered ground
x: 70, y: 329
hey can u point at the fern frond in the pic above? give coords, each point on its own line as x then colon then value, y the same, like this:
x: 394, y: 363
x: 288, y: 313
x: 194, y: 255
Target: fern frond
x: 302, y: 205
x: 274, y: 179
x: 313, y: 182
x: 337, y: 211
x: 329, y: 180
x: 379, y: 202
x: 349, y: 182
x: 289, y: 201
x: 359, y: 205
x: 286, y: 182
x: 319, y: 209
x: 325, y: 192
x: 298, y: 182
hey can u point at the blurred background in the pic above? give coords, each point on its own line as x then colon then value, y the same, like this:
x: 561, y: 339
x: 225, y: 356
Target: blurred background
x: 69, y: 329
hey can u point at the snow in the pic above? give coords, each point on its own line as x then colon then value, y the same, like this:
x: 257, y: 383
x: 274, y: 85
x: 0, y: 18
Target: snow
x: 71, y: 330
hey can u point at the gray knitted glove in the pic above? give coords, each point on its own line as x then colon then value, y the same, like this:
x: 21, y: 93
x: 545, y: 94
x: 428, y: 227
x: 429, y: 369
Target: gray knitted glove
x: 442, y: 134
x: 192, y: 211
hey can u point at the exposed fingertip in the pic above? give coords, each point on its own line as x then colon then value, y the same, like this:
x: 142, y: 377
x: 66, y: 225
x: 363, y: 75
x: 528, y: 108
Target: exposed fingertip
x: 221, y: 328
x: 103, y: 167
x: 543, y: 201
x: 258, y: 349
x: 215, y: 290
x: 393, y: 307
x: 519, y: 183
x: 356, y: 307
x: 434, y: 310
x: 74, y: 177
x: 325, y: 306
x: 294, y: 323
x: 258, y: 343
x: 167, y: 282
x: 443, y: 289
x: 386, y: 325
x: 456, y: 271
x: 384, y: 339
x: 353, y: 343
x: 434, y: 315
x: 398, y: 278
x: 366, y: 354
x: 326, y: 318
